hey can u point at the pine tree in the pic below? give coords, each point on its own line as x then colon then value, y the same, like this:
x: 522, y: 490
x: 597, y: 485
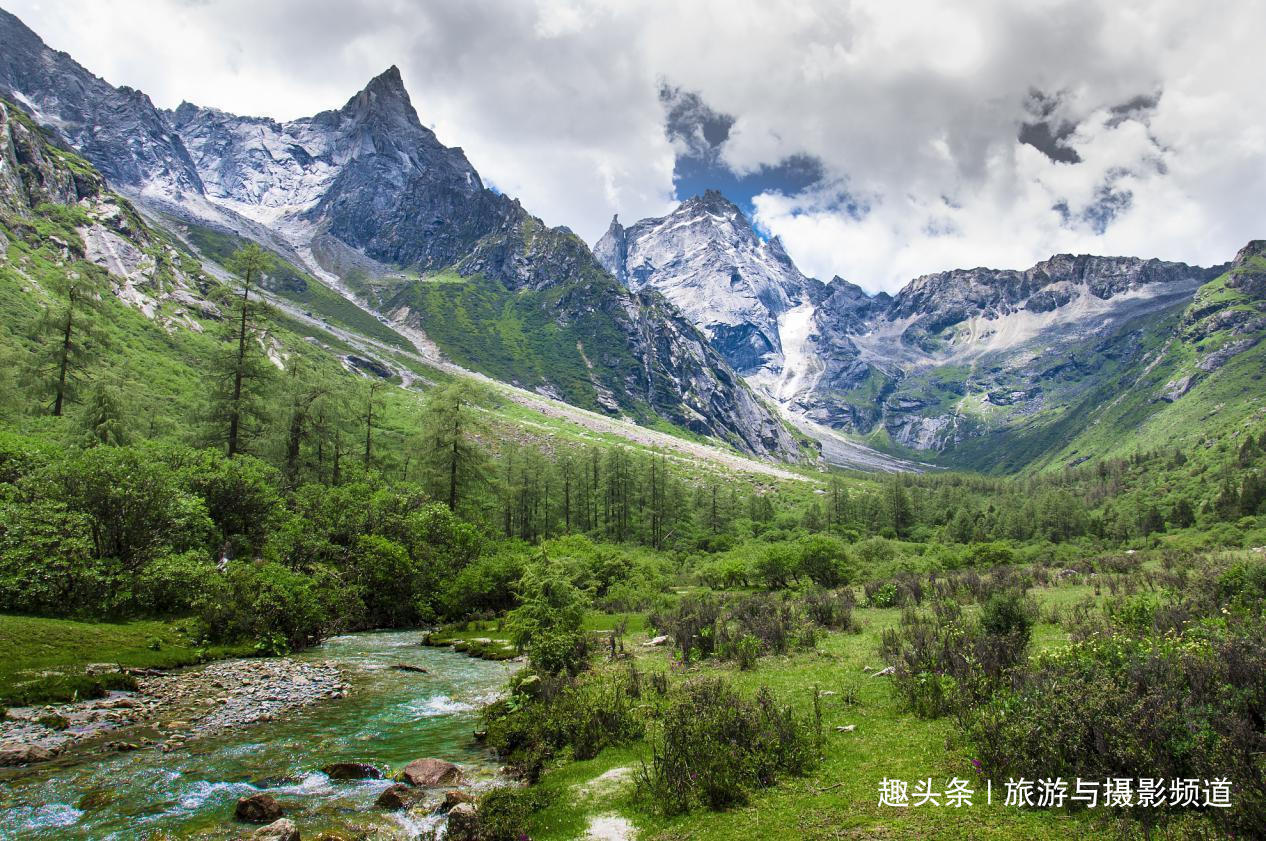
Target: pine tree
x: 900, y: 512
x: 1182, y: 515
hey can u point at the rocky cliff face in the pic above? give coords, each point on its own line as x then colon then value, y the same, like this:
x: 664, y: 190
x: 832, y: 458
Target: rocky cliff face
x: 118, y: 129
x: 91, y: 223
x: 368, y: 188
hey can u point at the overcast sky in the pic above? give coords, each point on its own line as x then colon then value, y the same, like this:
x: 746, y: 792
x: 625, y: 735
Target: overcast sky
x: 880, y: 140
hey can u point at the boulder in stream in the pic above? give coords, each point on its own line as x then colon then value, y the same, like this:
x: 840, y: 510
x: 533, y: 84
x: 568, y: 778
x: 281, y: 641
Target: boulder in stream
x: 396, y: 797
x: 258, y: 808
x: 352, y: 771
x: 455, y: 797
x: 17, y: 753
x: 463, y: 823
x: 431, y: 772
x: 282, y: 829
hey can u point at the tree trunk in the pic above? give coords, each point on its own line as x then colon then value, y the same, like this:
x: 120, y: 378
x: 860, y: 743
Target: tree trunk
x: 64, y: 363
x: 452, y: 461
x: 235, y: 410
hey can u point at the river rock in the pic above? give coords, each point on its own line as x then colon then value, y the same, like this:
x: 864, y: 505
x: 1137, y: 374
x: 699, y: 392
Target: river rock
x: 453, y: 797
x: 406, y: 667
x: 530, y: 685
x: 431, y: 772
x: 352, y: 771
x: 282, y: 829
x: 654, y: 641
x: 258, y: 808
x: 23, y: 754
x: 463, y: 823
x: 395, y: 797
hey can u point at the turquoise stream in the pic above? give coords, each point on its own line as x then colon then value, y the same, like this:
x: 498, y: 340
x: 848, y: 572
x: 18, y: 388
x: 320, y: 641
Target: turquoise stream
x: 389, y: 718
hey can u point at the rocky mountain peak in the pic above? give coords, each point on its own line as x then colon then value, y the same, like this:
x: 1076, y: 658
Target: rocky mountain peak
x: 612, y: 250
x: 117, y: 129
x: 385, y: 96
x: 706, y: 258
x: 1255, y: 248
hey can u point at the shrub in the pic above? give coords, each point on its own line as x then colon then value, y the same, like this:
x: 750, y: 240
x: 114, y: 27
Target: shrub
x: 881, y: 594
x: 504, y: 812
x: 549, y: 603
x: 831, y: 609
x: 824, y: 559
x: 173, y: 584
x: 943, y: 662
x: 559, y: 652
x: 582, y: 716
x: 278, y: 608
x: 746, y: 650
x: 1008, y: 615
x: 1168, y: 707
x: 487, y: 584
x: 241, y: 498
x: 47, y: 561
x: 712, y: 746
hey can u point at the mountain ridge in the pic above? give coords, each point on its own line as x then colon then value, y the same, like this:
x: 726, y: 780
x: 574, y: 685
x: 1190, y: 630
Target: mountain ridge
x: 949, y: 362
x: 371, y: 188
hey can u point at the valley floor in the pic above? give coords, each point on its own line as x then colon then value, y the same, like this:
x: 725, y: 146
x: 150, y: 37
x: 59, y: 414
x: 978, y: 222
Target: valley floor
x: 595, y: 799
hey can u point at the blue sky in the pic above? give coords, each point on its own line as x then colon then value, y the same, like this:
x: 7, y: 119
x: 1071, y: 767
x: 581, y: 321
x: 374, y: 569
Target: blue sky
x: 699, y: 135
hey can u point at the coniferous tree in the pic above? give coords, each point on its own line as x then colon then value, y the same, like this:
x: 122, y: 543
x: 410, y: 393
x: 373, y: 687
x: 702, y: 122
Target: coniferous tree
x: 102, y: 418
x: 1182, y: 515
x: 305, y: 399
x: 66, y: 336
x: 372, y: 415
x: 455, y: 461
x: 240, y: 371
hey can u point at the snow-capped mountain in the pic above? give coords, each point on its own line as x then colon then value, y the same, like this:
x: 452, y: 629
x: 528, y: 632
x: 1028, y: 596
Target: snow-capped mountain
x: 365, y: 196
x: 953, y: 358
x: 706, y: 258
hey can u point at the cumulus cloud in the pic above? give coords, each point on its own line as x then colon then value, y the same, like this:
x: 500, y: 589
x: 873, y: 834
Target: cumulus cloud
x: 929, y: 135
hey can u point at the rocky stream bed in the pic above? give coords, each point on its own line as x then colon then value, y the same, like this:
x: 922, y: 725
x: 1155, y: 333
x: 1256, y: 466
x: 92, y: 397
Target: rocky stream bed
x: 329, y: 741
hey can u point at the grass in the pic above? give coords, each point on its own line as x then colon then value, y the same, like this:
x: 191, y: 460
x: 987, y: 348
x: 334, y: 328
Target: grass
x: 838, y: 800
x: 299, y: 287
x: 45, y: 660
x: 485, y: 639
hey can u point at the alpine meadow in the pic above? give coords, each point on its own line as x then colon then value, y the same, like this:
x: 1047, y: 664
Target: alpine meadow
x: 344, y: 498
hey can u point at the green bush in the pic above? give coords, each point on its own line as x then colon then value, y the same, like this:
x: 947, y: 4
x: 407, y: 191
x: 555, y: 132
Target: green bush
x: 173, y: 585
x: 504, y: 812
x: 1009, y: 615
x: 1171, y: 707
x: 581, y: 716
x: 277, y: 607
x: 825, y: 560
x: 559, y: 652
x: 712, y: 746
x: 746, y: 650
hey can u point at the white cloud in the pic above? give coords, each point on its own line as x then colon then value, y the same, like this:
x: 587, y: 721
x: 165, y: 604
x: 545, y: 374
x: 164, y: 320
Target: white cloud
x: 913, y: 108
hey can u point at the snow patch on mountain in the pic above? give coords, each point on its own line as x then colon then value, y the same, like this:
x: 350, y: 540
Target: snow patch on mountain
x: 706, y: 258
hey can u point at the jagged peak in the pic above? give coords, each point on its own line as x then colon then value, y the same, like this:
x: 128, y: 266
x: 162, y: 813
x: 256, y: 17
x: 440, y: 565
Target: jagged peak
x: 710, y: 200
x: 383, y: 93
x: 388, y: 80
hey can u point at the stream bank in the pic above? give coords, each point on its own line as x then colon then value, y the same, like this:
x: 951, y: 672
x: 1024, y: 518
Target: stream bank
x: 263, y: 731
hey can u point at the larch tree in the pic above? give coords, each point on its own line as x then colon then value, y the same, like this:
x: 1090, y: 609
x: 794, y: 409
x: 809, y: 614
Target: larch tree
x: 454, y: 459
x: 240, y: 371
x: 66, y: 334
